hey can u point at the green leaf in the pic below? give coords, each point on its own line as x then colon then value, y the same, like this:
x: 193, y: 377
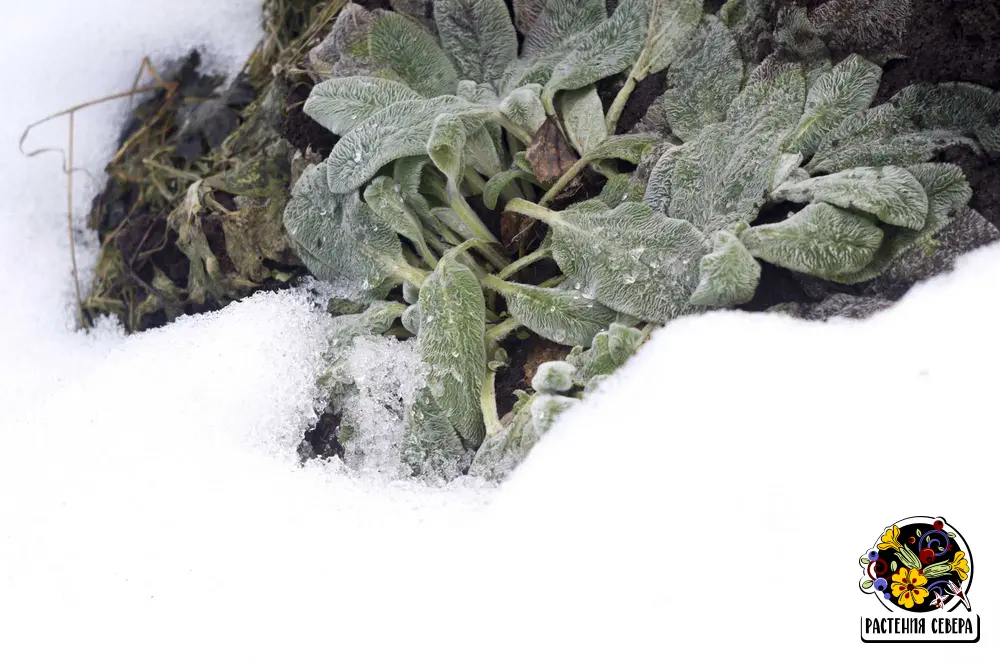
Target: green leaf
x: 659, y: 188
x: 561, y: 19
x: 672, y: 24
x: 523, y: 107
x: 629, y: 258
x: 553, y: 377
x: 561, y: 315
x: 496, y: 184
x: 704, y: 81
x: 627, y: 147
x: 821, y: 240
x: 411, y: 319
x: 867, y: 584
x: 446, y: 146
x: 501, y: 453
x: 401, y: 130
x: 340, y: 104
x: 865, y: 561
x: 431, y: 447
x: 728, y: 275
x: 958, y: 107
x: 947, y: 193
x: 620, y: 189
x: 610, y: 350
x: 479, y: 36
x: 722, y: 177
x: 893, y: 565
x: 583, y: 117
x: 384, y: 198
x: 845, y: 90
x: 546, y: 410
x: 413, y: 54
x: 890, y: 193
x: 340, y: 240
x: 609, y: 48
x: 452, y: 329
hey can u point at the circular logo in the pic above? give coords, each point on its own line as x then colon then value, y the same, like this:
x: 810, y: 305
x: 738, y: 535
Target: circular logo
x: 918, y: 564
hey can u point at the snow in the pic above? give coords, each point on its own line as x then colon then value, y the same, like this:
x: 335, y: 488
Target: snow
x: 709, y: 503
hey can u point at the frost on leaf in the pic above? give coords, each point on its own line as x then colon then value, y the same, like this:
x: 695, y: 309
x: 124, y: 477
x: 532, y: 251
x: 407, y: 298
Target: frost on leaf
x: 340, y: 104
x: 401, y: 130
x: 452, y: 328
x: 704, y: 81
x: 846, y: 89
x: 610, y: 350
x: 672, y: 24
x: 629, y: 258
x: 607, y: 49
x: 446, y: 146
x: 339, y: 239
x: 553, y: 377
x: 891, y: 193
x: 344, y: 329
x: 479, y: 36
x: 413, y: 54
x: 546, y: 410
x: 583, y: 116
x: 501, y: 453
x: 947, y: 193
x: 562, y: 315
x: 821, y: 240
x: 728, y: 275
x: 431, y: 447
x: 721, y: 178
x: 560, y: 19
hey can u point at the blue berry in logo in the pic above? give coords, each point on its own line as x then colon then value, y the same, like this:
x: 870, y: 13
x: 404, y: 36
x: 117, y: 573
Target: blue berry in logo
x: 880, y: 585
x: 872, y: 555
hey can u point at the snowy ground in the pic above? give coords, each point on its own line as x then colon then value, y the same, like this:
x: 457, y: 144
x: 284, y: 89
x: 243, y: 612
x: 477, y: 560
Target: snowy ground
x: 710, y: 504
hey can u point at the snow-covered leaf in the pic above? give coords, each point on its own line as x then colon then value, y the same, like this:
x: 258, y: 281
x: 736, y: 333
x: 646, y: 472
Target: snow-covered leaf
x: 452, y: 328
x: 561, y: 19
x: 339, y: 238
x: 413, y: 54
x: 411, y: 319
x: 479, y: 36
x: 728, y: 275
x: 722, y: 177
x: 947, y: 193
x: 704, y: 81
x: 546, y: 410
x: 609, y: 48
x: 561, y: 315
x: 891, y: 193
x: 553, y: 377
x: 340, y: 104
x: 846, y: 89
x: 610, y: 350
x: 501, y: 453
x: 431, y: 447
x: 821, y: 240
x: 401, y: 130
x: 583, y: 116
x: 446, y: 146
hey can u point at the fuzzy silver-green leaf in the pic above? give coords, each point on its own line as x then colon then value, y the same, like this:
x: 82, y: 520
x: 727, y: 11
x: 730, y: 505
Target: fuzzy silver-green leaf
x: 413, y: 54
x: 672, y: 24
x: 560, y: 19
x: 583, y: 116
x: 728, y: 276
x: 340, y: 104
x: 609, y: 351
x: 446, y: 146
x: 479, y: 36
x: 553, y: 377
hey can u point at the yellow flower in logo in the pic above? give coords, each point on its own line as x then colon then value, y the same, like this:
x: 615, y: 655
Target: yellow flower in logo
x: 960, y: 565
x: 890, y: 539
x: 908, y: 587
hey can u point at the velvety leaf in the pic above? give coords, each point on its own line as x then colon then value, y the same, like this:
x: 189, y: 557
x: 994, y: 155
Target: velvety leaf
x: 658, y: 189
x: 947, y: 193
x: 446, y: 146
x: 546, y: 410
x: 627, y: 147
x: 340, y: 104
x: 891, y: 193
x: 629, y: 258
x: 722, y: 177
x: 821, y: 240
x: 413, y: 54
x: 524, y: 107
x: 958, y: 107
x: 384, y: 197
x: 672, y: 24
x: 610, y: 350
x: 704, y: 81
x: 340, y: 240
x: 452, y: 328
x: 501, y: 453
x: 583, y: 116
x: 401, y: 130
x: 845, y: 90
x: 620, y: 189
x: 561, y: 19
x: 607, y: 49
x: 411, y: 319
x: 496, y: 184
x: 561, y: 315
x: 553, y: 377
x: 431, y: 447
x: 728, y: 275
x: 526, y: 12
x: 479, y: 36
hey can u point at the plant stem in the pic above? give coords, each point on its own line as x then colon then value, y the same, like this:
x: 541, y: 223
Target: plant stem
x: 521, y: 263
x: 410, y: 273
x: 488, y: 403
x: 501, y: 331
x: 564, y: 181
x: 476, y: 227
x: 513, y: 129
x: 535, y: 211
x: 618, y: 105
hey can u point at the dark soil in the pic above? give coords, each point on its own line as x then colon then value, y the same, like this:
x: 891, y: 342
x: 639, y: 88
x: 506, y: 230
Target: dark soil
x: 321, y: 441
x: 301, y: 130
x: 525, y: 356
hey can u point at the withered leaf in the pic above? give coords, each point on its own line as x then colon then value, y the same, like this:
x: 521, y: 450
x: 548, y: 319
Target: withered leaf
x: 550, y: 153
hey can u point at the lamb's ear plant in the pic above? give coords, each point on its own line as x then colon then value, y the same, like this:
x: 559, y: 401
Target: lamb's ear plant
x: 436, y: 128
